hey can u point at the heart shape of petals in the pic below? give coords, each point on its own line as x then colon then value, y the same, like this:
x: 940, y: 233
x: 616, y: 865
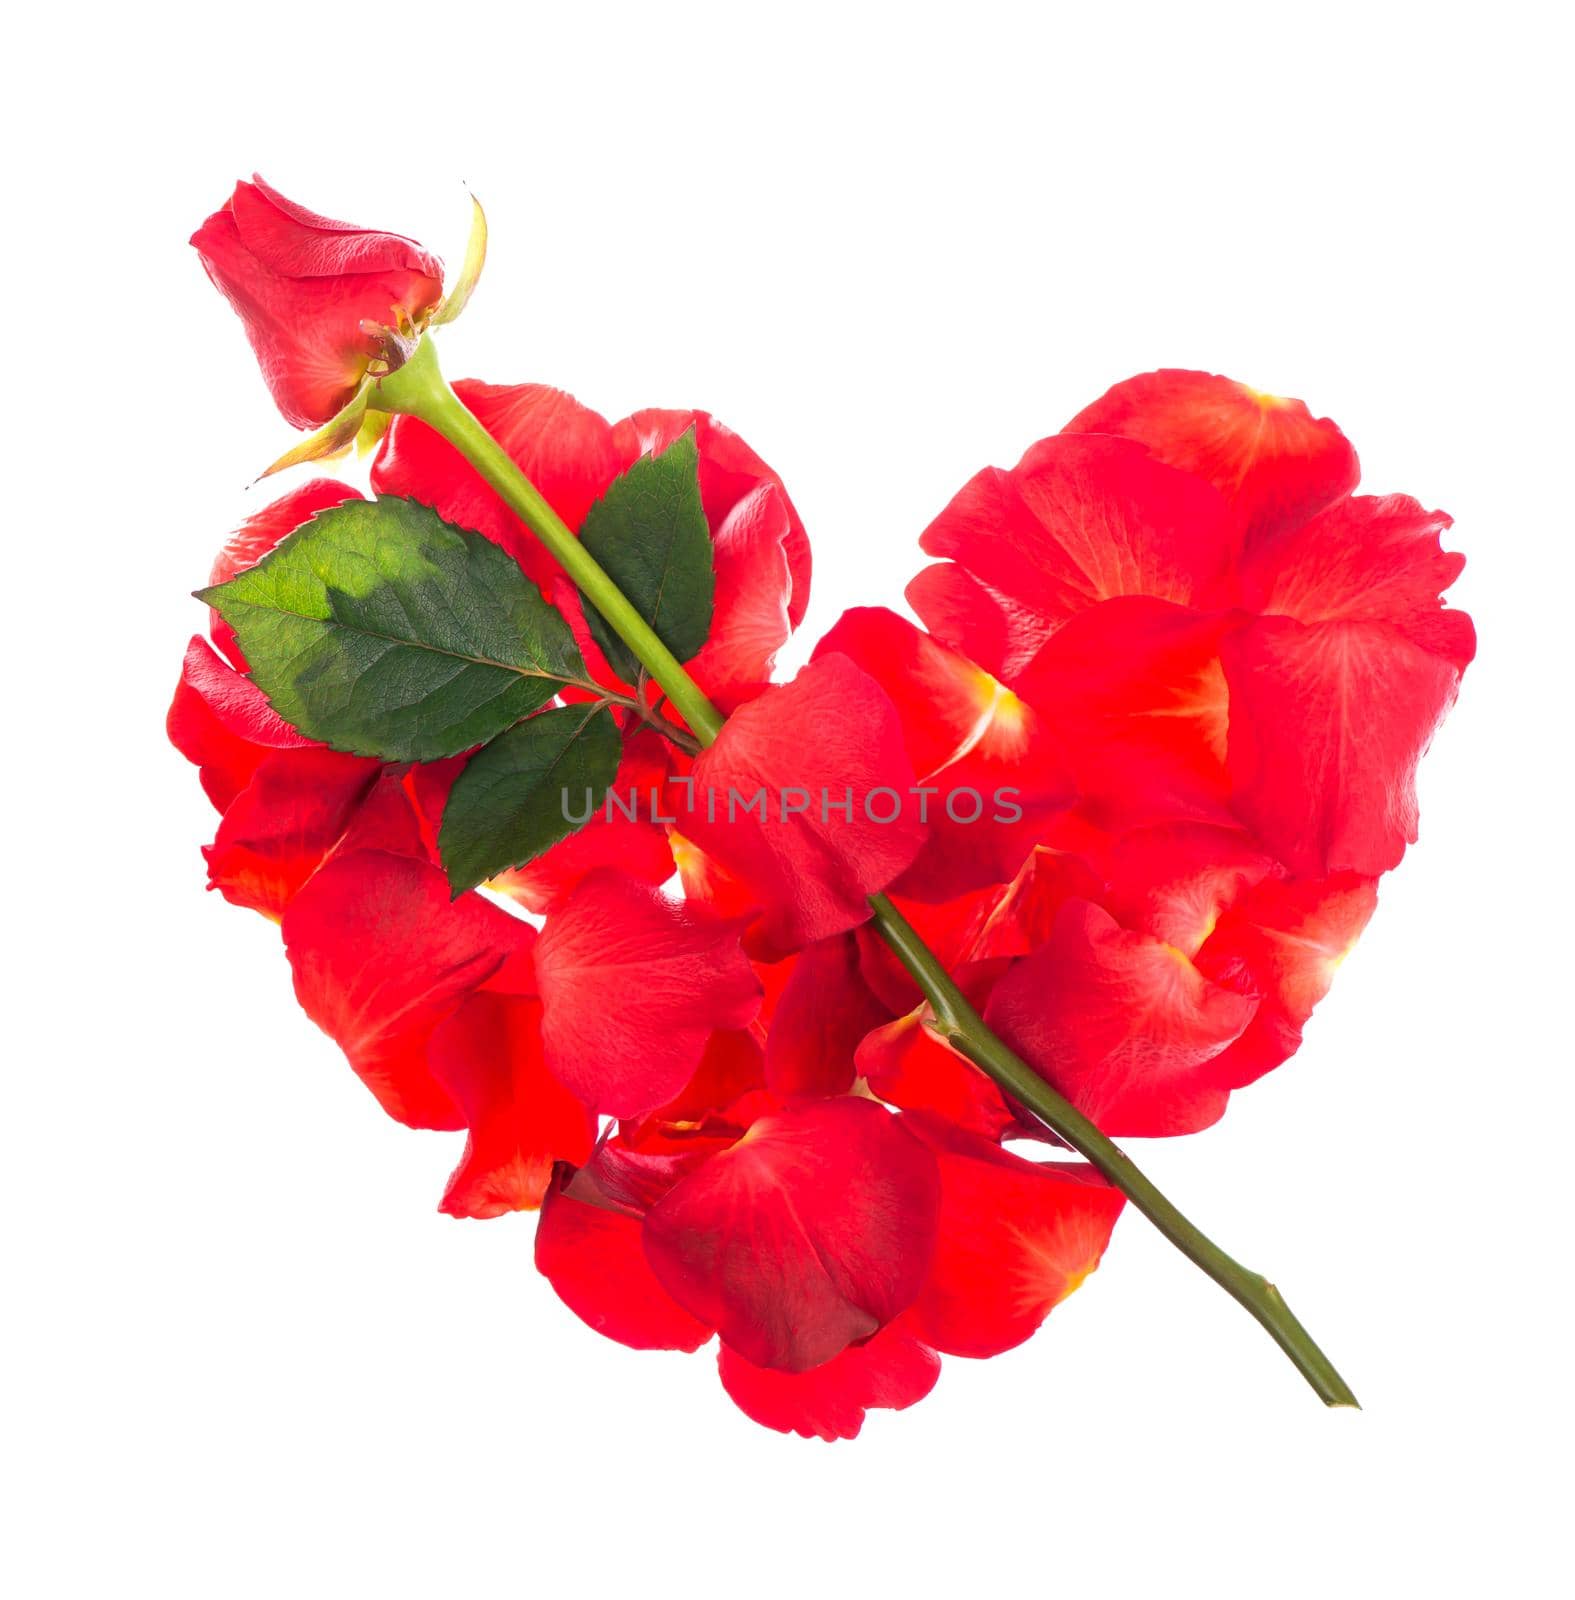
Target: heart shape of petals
x: 1202, y: 668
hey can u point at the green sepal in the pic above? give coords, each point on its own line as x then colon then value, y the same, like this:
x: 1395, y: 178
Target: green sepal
x: 464, y: 285
x: 333, y: 439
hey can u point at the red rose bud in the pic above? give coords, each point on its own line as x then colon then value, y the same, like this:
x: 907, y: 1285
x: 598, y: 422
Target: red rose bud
x: 321, y: 300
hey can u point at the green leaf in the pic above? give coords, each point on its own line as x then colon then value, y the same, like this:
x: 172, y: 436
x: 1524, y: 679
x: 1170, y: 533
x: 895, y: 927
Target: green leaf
x: 380, y: 629
x: 508, y: 805
x: 650, y: 533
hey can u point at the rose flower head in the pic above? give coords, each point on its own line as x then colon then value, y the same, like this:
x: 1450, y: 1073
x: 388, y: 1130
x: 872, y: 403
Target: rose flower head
x: 323, y: 300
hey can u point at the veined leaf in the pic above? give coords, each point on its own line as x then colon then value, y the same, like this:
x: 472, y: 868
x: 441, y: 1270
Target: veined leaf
x: 380, y: 629
x: 650, y: 533
x: 532, y: 786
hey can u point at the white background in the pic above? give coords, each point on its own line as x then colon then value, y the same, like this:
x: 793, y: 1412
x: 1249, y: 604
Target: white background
x: 245, y: 1355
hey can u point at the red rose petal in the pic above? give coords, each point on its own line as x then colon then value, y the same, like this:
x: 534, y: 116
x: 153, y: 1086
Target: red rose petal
x: 389, y: 819
x: 907, y: 1065
x: 943, y: 701
x: 890, y: 1372
x: 1327, y: 725
x: 289, y: 239
x: 708, y: 883
x: 732, y: 1071
x: 282, y: 825
x: 1016, y: 1238
x: 628, y: 1179
x: 1136, y: 692
x: 825, y: 1009
x: 1023, y: 916
x: 754, y: 586
x: 949, y: 928
x: 1174, y: 882
x: 809, y: 1234
x: 488, y: 1056
x: 1002, y: 634
x: 1121, y: 1024
x: 1366, y: 559
x: 633, y: 985
x: 381, y: 955
x: 1288, y: 938
x: 588, y: 1247
x: 637, y: 849
x: 1269, y: 457
x: 223, y: 725
x: 982, y: 752
x: 1080, y: 520
x: 831, y: 732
